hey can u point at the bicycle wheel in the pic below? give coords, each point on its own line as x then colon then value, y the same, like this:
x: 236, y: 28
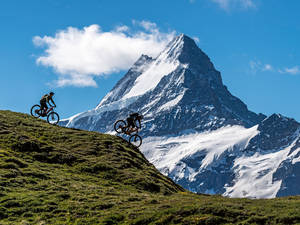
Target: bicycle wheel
x: 135, y: 140
x: 53, y: 118
x: 119, y: 126
x: 35, y: 111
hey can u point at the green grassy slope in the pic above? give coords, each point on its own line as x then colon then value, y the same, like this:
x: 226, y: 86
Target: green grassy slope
x: 55, y: 175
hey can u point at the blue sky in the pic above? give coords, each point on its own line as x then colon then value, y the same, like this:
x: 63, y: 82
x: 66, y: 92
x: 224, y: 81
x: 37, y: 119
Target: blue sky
x: 253, y: 43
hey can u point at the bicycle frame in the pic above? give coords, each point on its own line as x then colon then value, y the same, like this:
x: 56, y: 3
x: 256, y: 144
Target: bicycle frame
x: 132, y: 131
x: 125, y: 128
x: 50, y: 109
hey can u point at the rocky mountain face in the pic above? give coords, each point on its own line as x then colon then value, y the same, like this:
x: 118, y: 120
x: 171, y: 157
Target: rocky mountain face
x: 198, y: 133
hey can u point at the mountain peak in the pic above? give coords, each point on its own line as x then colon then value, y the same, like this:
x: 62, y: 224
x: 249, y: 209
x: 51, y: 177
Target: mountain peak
x: 143, y: 60
x: 275, y: 130
x: 277, y: 121
x: 183, y: 50
x: 180, y: 81
x: 184, y: 38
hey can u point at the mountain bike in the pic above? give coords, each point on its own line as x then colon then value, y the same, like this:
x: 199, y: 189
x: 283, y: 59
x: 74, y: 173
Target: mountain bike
x: 52, y: 117
x: 121, y: 127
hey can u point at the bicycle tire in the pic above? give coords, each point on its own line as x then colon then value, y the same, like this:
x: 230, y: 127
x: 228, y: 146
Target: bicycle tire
x: 53, y: 118
x: 119, y: 125
x: 34, y: 112
x: 136, y: 140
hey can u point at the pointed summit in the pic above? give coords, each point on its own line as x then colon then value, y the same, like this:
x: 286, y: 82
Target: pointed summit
x: 193, y: 55
x: 180, y: 87
x: 181, y: 54
x: 184, y: 49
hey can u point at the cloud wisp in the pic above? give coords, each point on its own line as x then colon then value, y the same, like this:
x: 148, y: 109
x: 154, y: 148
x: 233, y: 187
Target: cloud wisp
x: 257, y: 66
x: 293, y: 70
x: 230, y: 4
x: 79, y: 55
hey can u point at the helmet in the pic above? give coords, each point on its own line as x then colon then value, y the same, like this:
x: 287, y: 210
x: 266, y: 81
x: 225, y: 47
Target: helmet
x: 51, y: 93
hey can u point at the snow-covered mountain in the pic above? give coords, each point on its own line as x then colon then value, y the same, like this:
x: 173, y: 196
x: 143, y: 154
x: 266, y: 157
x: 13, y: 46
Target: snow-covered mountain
x: 198, y: 133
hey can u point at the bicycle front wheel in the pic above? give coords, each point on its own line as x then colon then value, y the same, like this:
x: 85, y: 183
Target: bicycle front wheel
x: 36, y: 111
x: 136, y: 140
x: 119, y: 126
x: 53, y: 118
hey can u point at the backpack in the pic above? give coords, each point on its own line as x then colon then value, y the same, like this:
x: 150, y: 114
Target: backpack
x: 45, y: 98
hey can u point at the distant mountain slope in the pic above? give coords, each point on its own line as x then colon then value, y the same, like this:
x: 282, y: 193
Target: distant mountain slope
x: 196, y: 132
x: 257, y: 162
x: 54, y: 175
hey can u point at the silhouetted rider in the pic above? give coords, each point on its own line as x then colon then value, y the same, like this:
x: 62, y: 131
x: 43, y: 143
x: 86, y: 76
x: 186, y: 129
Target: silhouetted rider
x: 132, y: 119
x: 46, y: 99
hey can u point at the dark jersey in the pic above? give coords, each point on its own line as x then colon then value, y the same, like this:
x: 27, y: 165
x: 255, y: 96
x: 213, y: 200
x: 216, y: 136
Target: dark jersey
x: 134, y: 115
x: 132, y: 119
x: 46, y: 98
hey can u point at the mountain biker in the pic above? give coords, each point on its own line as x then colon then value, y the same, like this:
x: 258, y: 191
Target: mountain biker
x: 44, y: 100
x: 131, y: 121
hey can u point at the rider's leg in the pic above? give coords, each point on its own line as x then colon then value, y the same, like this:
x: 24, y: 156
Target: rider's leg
x: 130, y: 125
x: 130, y: 130
x: 129, y: 122
x: 43, y: 105
x: 44, y: 111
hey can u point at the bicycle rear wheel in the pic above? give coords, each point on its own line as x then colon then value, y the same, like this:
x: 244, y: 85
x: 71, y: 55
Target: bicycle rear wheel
x: 36, y: 111
x: 53, y: 118
x: 136, y: 140
x: 119, y: 126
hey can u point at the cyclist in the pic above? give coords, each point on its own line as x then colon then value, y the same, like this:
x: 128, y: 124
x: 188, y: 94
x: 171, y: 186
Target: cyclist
x: 44, y: 100
x: 131, y: 122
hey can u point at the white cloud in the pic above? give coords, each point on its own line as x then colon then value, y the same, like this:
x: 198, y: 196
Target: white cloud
x: 293, y: 71
x: 257, y: 66
x: 267, y: 67
x: 229, y: 4
x: 80, y: 55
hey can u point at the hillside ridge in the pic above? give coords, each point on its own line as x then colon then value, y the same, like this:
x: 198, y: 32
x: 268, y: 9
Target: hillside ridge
x: 56, y: 175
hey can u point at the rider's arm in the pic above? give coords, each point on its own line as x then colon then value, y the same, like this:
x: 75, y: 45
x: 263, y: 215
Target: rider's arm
x: 53, y: 102
x: 138, y: 119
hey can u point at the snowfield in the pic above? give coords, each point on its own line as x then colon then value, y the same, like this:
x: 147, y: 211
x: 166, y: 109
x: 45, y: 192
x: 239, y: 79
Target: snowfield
x: 161, y: 67
x: 254, y: 174
x: 165, y: 152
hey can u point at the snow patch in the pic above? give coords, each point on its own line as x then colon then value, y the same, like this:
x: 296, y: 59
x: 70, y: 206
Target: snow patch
x: 255, y: 175
x: 171, y: 103
x: 166, y: 152
x: 162, y: 66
